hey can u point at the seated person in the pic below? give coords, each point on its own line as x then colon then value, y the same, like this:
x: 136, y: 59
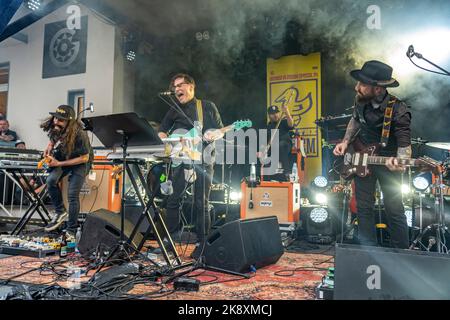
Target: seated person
x: 9, y: 138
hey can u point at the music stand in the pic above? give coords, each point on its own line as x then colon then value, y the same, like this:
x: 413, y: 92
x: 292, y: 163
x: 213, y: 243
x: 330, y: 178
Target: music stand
x: 124, y: 130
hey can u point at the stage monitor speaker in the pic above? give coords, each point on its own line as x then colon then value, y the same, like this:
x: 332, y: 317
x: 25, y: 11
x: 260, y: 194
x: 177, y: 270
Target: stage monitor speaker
x: 239, y: 244
x: 376, y: 273
x: 102, y: 228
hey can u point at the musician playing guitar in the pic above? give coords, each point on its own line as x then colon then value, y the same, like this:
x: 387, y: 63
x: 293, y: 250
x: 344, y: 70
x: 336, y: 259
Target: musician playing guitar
x: 379, y: 119
x: 68, y: 153
x: 284, y: 125
x: 190, y: 110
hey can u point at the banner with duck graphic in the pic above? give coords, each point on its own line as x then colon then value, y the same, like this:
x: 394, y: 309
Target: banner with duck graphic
x: 296, y: 81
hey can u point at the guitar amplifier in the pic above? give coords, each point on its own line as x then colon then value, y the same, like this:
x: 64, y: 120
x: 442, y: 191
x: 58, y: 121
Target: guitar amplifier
x: 100, y: 190
x: 280, y: 199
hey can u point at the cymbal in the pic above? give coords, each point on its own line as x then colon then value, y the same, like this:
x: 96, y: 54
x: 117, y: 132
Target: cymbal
x: 418, y: 141
x: 439, y: 145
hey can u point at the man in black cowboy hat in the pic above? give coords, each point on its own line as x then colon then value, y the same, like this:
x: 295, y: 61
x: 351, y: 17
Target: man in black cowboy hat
x: 368, y: 125
x: 69, y: 153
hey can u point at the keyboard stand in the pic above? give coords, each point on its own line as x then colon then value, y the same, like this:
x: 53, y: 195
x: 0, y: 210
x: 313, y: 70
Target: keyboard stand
x: 36, y: 203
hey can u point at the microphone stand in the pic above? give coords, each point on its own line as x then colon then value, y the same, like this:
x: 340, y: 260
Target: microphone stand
x: 411, y: 53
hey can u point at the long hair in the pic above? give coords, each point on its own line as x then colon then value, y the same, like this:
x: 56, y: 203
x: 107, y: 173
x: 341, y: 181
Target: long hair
x: 67, y: 136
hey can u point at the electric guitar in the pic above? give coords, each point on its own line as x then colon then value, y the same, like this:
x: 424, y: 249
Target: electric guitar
x: 356, y: 162
x: 186, y: 146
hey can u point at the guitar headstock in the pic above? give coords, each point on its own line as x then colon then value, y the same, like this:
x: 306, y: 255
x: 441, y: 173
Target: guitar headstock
x: 432, y: 165
x: 240, y: 124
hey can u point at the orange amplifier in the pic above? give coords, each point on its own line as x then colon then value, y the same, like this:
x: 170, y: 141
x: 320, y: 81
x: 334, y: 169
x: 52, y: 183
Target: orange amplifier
x: 101, y: 189
x: 281, y: 199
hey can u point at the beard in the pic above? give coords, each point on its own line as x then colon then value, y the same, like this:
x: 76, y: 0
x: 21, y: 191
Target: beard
x: 56, y: 132
x: 360, y: 99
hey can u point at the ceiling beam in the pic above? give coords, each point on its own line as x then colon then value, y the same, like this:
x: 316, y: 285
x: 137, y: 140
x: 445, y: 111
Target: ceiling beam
x: 8, y: 9
x: 31, y: 18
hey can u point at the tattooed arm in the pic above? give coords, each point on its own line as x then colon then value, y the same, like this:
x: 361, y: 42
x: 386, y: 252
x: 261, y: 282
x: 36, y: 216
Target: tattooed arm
x: 404, y: 152
x: 352, y: 130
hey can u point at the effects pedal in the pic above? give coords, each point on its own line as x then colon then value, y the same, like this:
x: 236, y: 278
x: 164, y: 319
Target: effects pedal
x: 186, y: 284
x: 324, y: 291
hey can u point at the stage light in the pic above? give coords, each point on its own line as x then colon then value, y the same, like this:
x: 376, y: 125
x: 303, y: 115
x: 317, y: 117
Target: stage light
x: 321, y: 198
x: 318, y: 215
x: 319, y: 225
x: 420, y: 183
x: 130, y: 47
x: 131, y: 55
x: 320, y: 182
x: 405, y: 189
x: 33, y: 5
x: 235, y: 196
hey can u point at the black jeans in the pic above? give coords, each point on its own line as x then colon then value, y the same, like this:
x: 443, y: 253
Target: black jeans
x: 285, y: 156
x: 202, y: 187
x: 77, y: 175
x: 390, y: 183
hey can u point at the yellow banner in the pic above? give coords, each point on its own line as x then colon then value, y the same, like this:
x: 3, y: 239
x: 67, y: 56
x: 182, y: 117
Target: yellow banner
x: 296, y: 81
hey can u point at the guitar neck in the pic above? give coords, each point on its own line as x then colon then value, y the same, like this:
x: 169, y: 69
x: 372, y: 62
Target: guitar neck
x: 227, y: 128
x: 382, y: 161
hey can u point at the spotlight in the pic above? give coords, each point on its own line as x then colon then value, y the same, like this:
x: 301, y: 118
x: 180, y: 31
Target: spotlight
x: 321, y: 198
x: 33, y: 5
x: 131, y: 55
x: 405, y: 189
x: 319, y: 225
x: 320, y: 182
x: 130, y: 47
x: 318, y: 215
x: 420, y: 183
x: 235, y: 196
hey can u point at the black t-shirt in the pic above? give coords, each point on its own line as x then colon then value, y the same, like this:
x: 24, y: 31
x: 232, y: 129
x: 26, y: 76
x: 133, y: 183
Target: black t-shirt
x: 371, y: 120
x: 284, y: 130
x: 82, y: 147
x: 174, y: 120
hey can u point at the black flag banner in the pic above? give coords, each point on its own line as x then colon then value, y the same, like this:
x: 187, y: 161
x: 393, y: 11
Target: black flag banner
x: 64, y: 49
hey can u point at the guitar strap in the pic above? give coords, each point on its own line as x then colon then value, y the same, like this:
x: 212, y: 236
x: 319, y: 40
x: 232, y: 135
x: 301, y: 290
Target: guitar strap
x: 200, y: 112
x: 388, y: 113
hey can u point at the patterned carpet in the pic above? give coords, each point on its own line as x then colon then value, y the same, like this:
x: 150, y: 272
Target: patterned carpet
x: 293, y: 277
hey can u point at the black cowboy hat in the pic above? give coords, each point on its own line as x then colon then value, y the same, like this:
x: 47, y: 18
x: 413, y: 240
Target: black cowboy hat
x: 375, y: 73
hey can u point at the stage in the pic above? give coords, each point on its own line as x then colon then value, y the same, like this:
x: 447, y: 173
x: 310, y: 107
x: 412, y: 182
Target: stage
x: 294, y: 277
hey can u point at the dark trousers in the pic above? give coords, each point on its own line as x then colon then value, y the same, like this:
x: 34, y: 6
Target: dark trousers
x: 202, y: 187
x: 77, y: 175
x: 390, y: 183
x: 285, y: 156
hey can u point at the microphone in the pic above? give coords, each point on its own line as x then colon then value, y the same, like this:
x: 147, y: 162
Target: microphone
x: 410, y: 53
x: 166, y: 93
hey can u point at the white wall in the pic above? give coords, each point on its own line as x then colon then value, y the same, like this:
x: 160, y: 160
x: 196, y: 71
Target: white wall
x: 30, y: 97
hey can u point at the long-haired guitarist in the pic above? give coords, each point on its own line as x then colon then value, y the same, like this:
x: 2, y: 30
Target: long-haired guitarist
x: 69, y: 152
x: 379, y: 118
x: 190, y: 110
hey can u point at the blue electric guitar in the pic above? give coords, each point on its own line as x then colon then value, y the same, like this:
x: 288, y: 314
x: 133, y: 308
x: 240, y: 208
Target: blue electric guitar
x: 187, y: 146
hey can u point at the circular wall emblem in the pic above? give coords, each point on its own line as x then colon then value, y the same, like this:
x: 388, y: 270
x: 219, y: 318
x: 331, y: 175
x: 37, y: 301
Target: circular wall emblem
x: 63, y: 49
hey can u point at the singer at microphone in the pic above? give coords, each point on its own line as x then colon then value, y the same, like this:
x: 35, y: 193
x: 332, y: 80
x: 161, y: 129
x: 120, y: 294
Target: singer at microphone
x: 166, y: 93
